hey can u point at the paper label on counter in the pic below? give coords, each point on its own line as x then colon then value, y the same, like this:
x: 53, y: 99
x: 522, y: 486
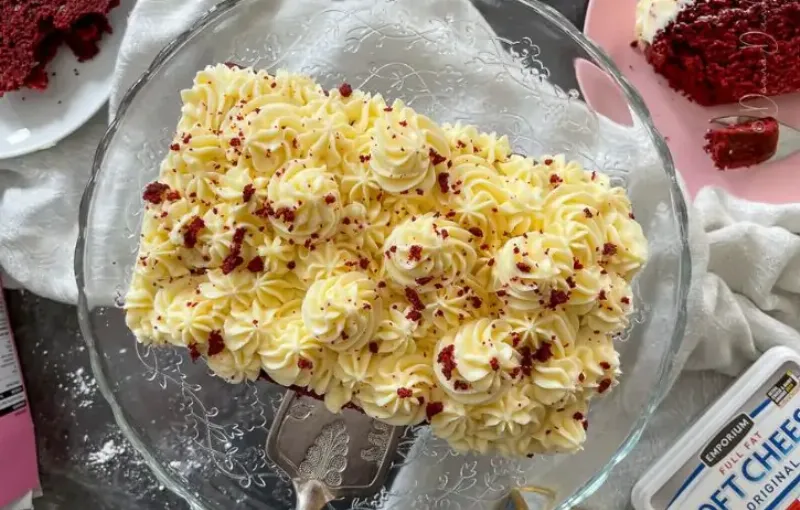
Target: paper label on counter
x: 752, y: 462
x: 12, y: 394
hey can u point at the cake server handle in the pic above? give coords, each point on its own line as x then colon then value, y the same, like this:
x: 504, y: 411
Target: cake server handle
x: 311, y: 495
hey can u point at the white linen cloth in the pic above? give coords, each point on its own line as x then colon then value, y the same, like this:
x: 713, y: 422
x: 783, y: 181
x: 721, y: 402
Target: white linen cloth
x: 745, y: 293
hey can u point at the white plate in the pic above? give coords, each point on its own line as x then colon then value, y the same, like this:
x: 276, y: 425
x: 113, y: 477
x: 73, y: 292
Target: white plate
x: 31, y: 120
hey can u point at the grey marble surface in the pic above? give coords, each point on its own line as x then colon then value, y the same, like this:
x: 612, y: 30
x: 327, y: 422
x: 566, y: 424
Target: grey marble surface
x: 84, y: 460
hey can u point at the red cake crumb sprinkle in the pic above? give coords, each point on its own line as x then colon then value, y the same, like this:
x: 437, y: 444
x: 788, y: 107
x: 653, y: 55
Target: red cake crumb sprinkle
x: 625, y: 300
x: 414, y: 315
x: 154, y: 192
x: 193, y: 352
x: 609, y: 249
x: 576, y: 264
x: 404, y: 392
x: 461, y: 385
x: 476, y: 301
x: 345, y: 90
x: 435, y: 157
x: 494, y: 364
x: 329, y: 199
x: 286, y: 214
x: 525, y: 268
x: 304, y: 364
x: 233, y: 65
x: 446, y: 359
x: 578, y: 416
x: 605, y: 365
x: 477, y: 232
x: 604, y: 385
x: 543, y: 353
x: 526, y: 361
x: 373, y: 347
x: 215, y: 343
x: 423, y: 280
x: 548, y: 161
x: 413, y: 297
x: 291, y: 264
x: 364, y: 158
x: 555, y: 179
x: 433, y: 408
x: 247, y: 192
x: 415, y: 252
x: 743, y: 145
x: 238, y: 238
x: 443, y: 179
x: 256, y: 265
x: 192, y: 228
x: 557, y: 297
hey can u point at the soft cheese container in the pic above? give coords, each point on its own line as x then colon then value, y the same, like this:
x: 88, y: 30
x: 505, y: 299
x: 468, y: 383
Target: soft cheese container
x: 742, y: 453
x: 19, y: 475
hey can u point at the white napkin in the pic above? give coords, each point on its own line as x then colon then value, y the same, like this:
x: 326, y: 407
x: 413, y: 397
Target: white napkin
x: 745, y: 258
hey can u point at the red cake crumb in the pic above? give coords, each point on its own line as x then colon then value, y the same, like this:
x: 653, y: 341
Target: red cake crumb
x: 433, y: 408
x: 743, y: 145
x: 443, y: 180
x: 345, y: 90
x: 193, y: 352
x: 247, y: 192
x: 215, y: 343
x: 404, y: 392
x: 413, y: 297
x: 154, y: 192
x: 190, y: 234
x: 446, y: 358
x: 256, y: 265
x: 722, y: 51
x: 435, y: 157
x: 557, y: 297
x: 543, y: 353
x: 32, y: 30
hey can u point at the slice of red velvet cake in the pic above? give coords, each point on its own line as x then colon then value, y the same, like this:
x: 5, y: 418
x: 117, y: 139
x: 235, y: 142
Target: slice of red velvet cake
x: 722, y: 51
x: 742, y: 145
x: 32, y: 30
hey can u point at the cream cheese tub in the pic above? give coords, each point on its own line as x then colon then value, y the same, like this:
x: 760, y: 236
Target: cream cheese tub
x: 742, y: 453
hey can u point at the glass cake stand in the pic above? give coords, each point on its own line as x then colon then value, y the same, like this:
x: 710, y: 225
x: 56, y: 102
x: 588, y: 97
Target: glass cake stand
x: 204, y: 438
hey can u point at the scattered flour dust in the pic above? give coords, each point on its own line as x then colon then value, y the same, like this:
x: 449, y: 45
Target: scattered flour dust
x: 108, y: 452
x: 84, y: 387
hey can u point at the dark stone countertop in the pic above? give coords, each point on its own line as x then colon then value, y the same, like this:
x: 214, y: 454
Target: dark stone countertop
x: 84, y: 460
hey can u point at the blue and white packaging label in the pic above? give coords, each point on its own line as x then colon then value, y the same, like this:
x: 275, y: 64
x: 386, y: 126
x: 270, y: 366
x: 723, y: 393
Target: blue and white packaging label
x: 750, y: 463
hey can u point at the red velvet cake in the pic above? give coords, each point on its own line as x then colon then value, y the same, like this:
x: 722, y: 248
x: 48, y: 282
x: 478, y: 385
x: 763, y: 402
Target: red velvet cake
x: 743, y: 145
x: 721, y: 51
x: 32, y: 30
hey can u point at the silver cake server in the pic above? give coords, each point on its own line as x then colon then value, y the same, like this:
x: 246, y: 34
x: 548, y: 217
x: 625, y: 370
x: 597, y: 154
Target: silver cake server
x: 329, y: 456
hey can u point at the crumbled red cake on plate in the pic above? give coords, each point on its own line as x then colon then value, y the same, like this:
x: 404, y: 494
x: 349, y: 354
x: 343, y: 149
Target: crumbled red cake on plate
x: 32, y: 30
x: 723, y: 51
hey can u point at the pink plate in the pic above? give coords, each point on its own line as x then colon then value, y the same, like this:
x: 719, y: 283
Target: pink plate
x: 684, y: 123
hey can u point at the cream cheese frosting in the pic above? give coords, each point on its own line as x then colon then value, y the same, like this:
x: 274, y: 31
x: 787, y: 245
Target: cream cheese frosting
x: 421, y: 272
x: 652, y: 16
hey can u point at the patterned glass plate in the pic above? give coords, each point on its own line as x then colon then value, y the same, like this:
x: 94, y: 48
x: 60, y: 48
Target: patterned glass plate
x: 513, y: 67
